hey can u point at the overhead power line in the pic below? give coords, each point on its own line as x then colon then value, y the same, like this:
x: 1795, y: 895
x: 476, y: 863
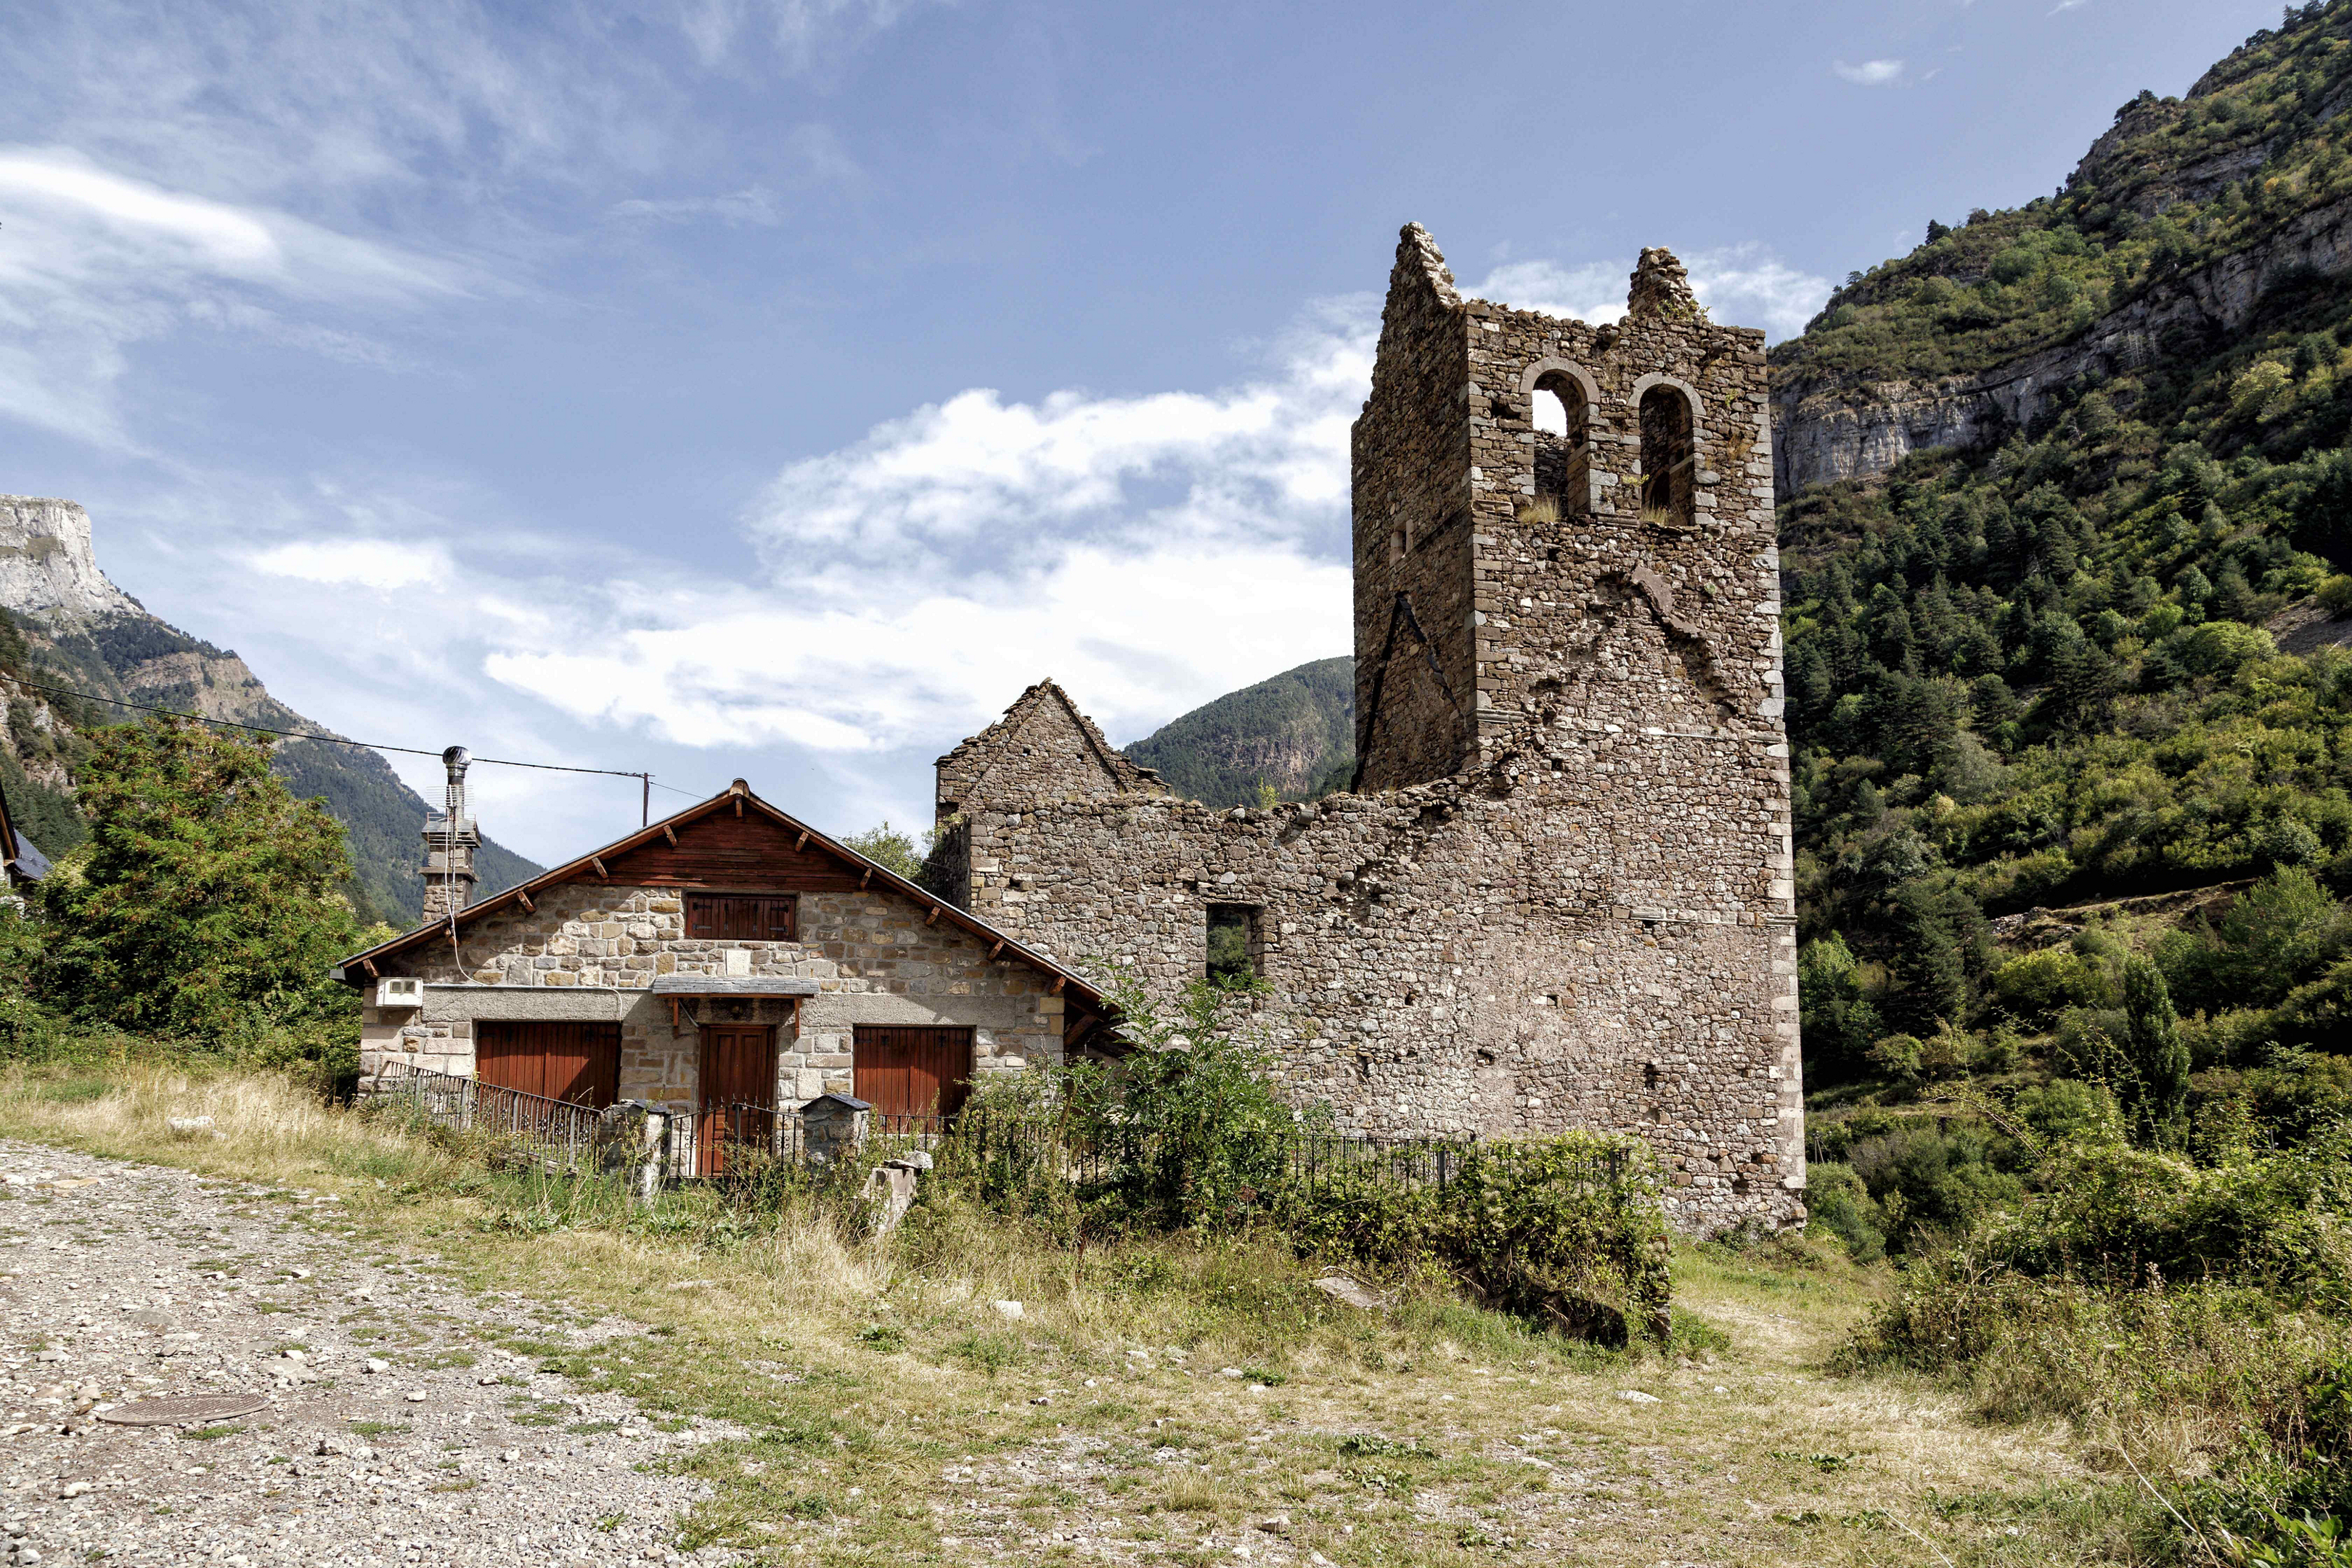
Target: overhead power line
x: 644, y: 778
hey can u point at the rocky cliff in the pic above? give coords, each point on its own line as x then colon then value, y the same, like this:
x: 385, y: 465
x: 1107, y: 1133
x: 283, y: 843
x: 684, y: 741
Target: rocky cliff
x: 2205, y: 211
x: 82, y: 632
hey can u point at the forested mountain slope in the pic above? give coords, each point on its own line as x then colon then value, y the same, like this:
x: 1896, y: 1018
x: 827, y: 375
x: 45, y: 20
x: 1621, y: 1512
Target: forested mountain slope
x: 73, y: 628
x: 1295, y: 734
x: 2065, y: 632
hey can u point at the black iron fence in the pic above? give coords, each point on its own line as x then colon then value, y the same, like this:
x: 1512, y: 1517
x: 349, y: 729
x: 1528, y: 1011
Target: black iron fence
x: 727, y: 1139
x: 1168, y: 1166
x: 557, y: 1131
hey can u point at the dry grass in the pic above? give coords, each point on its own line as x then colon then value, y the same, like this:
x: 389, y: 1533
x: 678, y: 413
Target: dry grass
x: 967, y: 1434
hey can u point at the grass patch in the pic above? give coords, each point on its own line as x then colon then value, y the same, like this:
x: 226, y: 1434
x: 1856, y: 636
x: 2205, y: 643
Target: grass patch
x: 772, y: 1345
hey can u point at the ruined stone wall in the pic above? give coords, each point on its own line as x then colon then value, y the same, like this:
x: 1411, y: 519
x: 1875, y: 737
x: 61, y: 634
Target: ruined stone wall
x: 1043, y: 748
x: 589, y: 953
x: 1494, y: 954
x: 1415, y: 683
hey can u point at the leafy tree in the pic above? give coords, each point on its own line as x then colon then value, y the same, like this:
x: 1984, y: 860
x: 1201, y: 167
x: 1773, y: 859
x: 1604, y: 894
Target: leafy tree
x: 1837, y: 1019
x: 2281, y: 931
x: 893, y: 850
x: 2158, y: 1055
x: 207, y: 900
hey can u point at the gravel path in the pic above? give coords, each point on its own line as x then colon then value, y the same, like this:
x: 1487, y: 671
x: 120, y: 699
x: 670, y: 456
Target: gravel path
x: 395, y: 1429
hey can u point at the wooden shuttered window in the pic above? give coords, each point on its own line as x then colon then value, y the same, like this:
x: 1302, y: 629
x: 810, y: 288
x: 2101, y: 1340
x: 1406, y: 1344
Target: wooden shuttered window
x: 578, y: 1062
x: 908, y: 1071
x: 742, y: 917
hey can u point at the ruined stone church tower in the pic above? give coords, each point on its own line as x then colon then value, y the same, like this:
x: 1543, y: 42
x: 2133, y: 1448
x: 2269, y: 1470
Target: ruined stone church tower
x: 1561, y: 894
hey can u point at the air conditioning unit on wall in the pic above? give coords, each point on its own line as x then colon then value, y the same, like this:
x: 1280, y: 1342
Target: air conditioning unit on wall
x: 400, y: 991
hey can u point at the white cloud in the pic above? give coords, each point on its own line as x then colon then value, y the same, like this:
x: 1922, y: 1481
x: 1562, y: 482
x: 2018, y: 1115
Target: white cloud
x: 755, y: 204
x: 382, y: 564
x: 1869, y: 73
x: 1740, y: 285
x: 1746, y: 285
x: 97, y: 261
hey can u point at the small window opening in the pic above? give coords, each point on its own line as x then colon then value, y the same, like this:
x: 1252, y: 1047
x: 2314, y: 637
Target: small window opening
x: 742, y: 917
x: 1669, y: 459
x: 1563, y: 452
x: 1233, y: 954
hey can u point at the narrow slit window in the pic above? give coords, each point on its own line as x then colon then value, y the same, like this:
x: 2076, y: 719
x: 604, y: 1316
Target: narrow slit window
x: 1233, y: 948
x: 1669, y: 459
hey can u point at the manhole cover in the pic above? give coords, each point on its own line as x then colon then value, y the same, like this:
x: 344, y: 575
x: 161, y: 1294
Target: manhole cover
x: 184, y: 1409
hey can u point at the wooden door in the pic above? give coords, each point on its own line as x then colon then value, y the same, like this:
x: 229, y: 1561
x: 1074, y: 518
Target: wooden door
x: 576, y: 1062
x: 739, y: 1070
x: 906, y: 1072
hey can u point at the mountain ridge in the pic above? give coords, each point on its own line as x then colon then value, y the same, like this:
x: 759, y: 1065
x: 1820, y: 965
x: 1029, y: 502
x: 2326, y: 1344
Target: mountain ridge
x: 79, y: 627
x: 1293, y: 733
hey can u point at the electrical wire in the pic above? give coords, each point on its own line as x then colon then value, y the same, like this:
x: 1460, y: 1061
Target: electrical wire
x: 338, y: 740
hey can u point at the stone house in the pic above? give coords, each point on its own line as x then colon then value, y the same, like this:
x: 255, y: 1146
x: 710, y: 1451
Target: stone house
x: 730, y: 953
x: 1561, y: 893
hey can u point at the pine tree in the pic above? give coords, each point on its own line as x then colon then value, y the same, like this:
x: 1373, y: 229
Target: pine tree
x: 2158, y: 1055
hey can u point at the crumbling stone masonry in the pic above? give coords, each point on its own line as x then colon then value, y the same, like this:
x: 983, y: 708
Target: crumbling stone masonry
x: 1562, y: 897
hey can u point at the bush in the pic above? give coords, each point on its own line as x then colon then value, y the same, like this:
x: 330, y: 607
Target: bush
x: 1187, y: 1134
x: 2037, y: 985
x: 2120, y: 1217
x: 1565, y: 1231
x: 1839, y: 1203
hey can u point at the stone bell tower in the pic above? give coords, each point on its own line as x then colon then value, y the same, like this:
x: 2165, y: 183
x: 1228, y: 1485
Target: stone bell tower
x: 1537, y: 501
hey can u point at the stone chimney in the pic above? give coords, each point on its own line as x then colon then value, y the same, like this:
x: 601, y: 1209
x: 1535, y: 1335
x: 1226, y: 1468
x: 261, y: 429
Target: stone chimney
x: 451, y: 840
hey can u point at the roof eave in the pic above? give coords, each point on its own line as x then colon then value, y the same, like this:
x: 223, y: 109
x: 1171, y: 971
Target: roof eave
x: 971, y: 924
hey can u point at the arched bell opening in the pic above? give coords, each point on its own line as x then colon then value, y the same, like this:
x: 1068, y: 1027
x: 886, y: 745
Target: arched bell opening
x: 1669, y: 458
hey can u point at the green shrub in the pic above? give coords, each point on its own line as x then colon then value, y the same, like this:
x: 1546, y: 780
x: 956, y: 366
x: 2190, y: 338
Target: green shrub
x: 2037, y: 985
x: 1565, y: 1231
x: 1839, y: 1203
x: 2122, y: 1217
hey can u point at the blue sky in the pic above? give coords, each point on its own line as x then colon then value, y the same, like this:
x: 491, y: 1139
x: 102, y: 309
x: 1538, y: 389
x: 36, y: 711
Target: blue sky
x: 776, y: 387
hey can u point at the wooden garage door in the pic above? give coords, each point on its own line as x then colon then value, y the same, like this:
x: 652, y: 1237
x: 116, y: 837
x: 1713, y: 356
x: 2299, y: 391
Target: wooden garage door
x: 578, y: 1062
x: 904, y: 1071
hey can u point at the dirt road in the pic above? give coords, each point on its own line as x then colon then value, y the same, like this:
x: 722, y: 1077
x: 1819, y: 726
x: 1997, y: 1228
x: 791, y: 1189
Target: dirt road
x: 388, y: 1417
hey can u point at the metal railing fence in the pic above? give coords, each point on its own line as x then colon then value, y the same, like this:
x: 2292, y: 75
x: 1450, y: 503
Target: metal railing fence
x: 557, y: 1130
x: 737, y: 1140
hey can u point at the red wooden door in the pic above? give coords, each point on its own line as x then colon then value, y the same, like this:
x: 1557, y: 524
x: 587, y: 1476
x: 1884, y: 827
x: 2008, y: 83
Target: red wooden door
x: 739, y: 1070
x: 578, y: 1062
x: 906, y: 1072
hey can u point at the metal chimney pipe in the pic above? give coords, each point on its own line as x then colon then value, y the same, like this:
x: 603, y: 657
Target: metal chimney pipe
x: 455, y: 758
x: 449, y: 844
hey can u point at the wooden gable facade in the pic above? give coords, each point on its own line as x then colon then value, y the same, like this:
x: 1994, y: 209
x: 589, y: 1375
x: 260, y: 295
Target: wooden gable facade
x: 730, y: 961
